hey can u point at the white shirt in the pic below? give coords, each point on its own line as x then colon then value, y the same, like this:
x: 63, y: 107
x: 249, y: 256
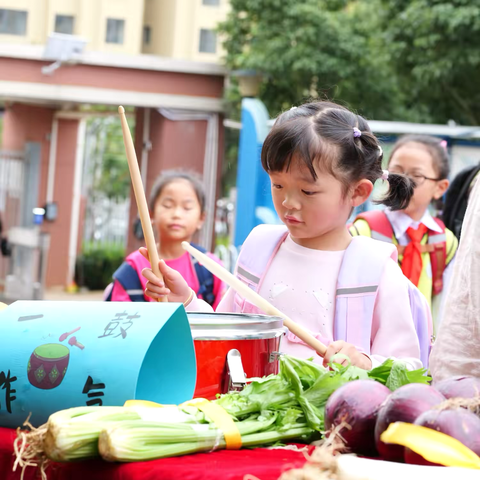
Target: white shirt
x: 401, y: 222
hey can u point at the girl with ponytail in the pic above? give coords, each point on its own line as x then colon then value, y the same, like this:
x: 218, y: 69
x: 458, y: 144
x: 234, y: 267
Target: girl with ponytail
x: 322, y: 161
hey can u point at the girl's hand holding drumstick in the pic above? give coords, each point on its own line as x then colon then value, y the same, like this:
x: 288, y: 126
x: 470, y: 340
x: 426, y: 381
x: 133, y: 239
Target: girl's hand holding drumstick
x: 172, y: 284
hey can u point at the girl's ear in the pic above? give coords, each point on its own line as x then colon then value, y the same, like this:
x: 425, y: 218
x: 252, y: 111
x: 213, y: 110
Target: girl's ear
x: 441, y: 188
x: 201, y: 220
x: 361, y: 192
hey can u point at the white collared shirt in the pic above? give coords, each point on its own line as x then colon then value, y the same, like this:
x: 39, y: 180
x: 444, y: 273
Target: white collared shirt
x: 401, y: 222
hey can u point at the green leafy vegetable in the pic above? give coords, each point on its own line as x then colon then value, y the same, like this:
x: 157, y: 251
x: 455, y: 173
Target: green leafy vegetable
x: 400, y: 375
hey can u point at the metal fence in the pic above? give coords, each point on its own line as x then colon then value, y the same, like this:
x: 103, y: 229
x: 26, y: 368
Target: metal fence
x: 12, y: 184
x: 12, y: 169
x: 106, y: 221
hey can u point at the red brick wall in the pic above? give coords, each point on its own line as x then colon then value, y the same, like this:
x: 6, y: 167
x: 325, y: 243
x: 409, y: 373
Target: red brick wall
x: 27, y: 123
x: 174, y: 145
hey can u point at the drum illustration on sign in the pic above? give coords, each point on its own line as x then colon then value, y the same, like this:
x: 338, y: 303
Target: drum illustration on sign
x: 48, y: 365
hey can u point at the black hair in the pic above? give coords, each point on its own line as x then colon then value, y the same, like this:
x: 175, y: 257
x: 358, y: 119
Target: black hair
x: 322, y: 133
x: 436, y: 147
x: 170, y: 176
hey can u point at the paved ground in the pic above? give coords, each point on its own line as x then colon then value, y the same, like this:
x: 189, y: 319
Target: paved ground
x: 60, y: 294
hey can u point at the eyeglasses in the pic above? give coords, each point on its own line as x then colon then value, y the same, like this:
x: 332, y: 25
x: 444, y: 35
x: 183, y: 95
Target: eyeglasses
x: 418, y: 178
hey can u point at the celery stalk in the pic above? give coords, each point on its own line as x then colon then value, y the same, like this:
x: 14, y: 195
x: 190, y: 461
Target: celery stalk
x: 138, y: 441
x: 73, y: 434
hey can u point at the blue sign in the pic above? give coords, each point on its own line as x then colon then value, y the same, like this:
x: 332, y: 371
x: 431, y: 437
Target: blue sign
x: 57, y: 355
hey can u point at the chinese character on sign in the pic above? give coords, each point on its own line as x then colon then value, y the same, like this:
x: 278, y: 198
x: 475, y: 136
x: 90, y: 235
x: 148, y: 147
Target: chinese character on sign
x: 123, y: 322
x: 6, y: 384
x: 94, y: 396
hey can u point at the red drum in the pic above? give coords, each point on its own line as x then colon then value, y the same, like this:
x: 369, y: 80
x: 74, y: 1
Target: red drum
x: 231, y: 347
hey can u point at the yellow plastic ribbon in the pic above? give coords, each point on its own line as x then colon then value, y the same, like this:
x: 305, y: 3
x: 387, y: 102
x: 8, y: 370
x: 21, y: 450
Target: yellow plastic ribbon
x: 433, y: 446
x: 222, y: 420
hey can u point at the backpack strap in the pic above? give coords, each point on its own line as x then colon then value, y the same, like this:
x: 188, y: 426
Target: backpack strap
x: 257, y: 253
x: 452, y: 245
x: 438, y: 256
x: 127, y: 276
x: 357, y: 286
x: 205, y: 278
x: 422, y: 319
x: 379, y: 224
x: 108, y: 293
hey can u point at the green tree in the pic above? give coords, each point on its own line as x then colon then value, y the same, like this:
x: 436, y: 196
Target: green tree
x: 411, y: 60
x: 313, y: 48
x: 110, y: 173
x: 434, y: 45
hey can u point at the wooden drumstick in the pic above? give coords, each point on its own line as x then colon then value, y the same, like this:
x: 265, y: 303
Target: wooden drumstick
x: 253, y: 297
x: 140, y: 197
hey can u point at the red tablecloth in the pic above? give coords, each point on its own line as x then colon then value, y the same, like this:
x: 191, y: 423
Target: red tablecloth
x: 263, y: 463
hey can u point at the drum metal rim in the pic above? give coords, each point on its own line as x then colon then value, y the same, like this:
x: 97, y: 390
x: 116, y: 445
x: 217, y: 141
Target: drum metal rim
x: 231, y: 321
x: 226, y: 335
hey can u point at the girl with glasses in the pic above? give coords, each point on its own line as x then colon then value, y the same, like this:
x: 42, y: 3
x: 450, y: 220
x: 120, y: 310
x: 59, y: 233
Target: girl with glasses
x: 426, y: 248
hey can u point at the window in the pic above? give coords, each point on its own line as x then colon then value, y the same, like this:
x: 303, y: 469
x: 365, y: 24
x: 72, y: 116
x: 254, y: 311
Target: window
x: 115, y: 30
x: 214, y: 3
x: 208, y: 41
x: 147, y: 34
x: 64, y: 24
x: 13, y: 22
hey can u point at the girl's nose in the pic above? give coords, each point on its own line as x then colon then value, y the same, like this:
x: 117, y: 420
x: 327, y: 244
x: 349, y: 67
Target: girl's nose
x: 291, y: 203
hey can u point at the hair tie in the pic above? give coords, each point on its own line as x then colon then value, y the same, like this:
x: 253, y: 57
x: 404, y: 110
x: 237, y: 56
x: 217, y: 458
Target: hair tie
x: 380, y: 150
x: 385, y: 175
x: 356, y: 132
x: 293, y: 108
x: 444, y: 144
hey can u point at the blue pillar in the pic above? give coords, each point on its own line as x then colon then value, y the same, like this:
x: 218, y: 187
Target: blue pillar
x: 254, y: 201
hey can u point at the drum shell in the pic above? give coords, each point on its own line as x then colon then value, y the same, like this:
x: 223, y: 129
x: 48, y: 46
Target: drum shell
x: 256, y: 337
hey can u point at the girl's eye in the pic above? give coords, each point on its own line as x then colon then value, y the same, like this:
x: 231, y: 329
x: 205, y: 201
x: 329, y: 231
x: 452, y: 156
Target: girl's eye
x: 308, y: 193
x: 276, y: 186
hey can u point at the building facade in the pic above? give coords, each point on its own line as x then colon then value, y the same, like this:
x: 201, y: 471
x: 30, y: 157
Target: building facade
x: 178, y: 108
x: 181, y: 29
